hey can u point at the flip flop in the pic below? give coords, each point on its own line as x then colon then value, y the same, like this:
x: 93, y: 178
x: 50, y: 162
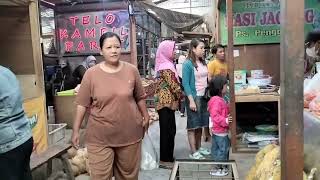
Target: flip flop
x: 164, y: 166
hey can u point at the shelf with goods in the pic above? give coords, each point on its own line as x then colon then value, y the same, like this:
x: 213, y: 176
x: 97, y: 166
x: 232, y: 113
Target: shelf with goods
x: 253, y: 112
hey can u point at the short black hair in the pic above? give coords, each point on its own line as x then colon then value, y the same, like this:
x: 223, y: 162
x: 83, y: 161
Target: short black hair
x: 216, y: 85
x: 215, y: 48
x: 106, y: 36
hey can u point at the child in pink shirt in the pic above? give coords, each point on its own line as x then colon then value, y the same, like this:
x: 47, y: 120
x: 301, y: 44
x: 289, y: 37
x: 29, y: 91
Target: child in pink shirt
x: 219, y: 113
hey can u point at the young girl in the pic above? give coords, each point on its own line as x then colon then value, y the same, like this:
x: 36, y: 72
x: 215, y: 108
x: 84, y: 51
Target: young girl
x: 219, y: 113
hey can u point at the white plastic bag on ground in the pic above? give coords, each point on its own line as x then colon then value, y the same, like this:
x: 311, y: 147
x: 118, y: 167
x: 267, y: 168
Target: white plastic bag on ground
x: 149, y: 158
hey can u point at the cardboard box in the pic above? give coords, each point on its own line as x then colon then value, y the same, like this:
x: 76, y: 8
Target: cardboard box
x: 240, y: 77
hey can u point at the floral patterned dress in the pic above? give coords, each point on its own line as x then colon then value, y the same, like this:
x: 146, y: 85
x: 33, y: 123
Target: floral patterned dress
x: 168, y: 91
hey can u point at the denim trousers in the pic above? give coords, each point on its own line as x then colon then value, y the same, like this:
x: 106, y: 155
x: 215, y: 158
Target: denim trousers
x: 220, y: 148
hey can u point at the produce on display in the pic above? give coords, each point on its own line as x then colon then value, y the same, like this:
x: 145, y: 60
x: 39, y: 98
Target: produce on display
x: 308, y: 97
x: 245, y: 89
x: 314, y: 106
x: 268, y: 165
x: 311, y: 89
x: 79, y: 161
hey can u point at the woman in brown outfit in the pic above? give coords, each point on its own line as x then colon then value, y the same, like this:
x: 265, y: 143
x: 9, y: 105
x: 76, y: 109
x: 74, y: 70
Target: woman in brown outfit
x: 112, y: 93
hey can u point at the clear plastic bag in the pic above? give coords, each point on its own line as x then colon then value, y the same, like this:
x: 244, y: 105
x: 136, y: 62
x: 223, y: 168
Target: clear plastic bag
x: 313, y: 84
x: 149, y: 158
x: 311, y: 89
x: 314, y: 105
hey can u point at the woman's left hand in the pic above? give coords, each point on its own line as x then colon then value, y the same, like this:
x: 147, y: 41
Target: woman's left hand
x: 145, y: 123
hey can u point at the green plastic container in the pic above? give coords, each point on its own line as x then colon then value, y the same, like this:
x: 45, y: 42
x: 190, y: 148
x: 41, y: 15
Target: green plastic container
x: 70, y: 92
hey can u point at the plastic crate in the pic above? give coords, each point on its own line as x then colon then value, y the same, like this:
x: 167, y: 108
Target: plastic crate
x: 57, y: 132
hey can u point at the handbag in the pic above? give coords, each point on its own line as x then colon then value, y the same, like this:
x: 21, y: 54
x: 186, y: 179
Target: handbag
x: 206, y: 95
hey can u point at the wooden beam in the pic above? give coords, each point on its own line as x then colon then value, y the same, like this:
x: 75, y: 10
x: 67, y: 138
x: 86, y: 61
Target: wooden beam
x: 159, y: 2
x: 37, y: 53
x: 36, y: 45
x: 133, y: 39
x: 104, y: 5
x: 196, y: 34
x: 230, y: 61
x: 47, y: 4
x: 218, y: 29
x: 292, y: 76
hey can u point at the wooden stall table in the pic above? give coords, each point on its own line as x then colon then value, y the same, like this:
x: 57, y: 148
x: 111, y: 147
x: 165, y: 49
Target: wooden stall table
x: 53, y: 152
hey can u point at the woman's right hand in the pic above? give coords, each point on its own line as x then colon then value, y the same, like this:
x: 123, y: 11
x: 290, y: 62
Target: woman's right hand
x: 75, y: 139
x: 193, y: 106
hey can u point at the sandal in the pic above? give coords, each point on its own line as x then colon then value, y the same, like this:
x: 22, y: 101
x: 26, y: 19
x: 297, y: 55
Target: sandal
x: 166, y: 165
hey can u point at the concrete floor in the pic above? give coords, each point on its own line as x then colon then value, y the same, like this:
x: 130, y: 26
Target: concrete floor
x: 244, y: 161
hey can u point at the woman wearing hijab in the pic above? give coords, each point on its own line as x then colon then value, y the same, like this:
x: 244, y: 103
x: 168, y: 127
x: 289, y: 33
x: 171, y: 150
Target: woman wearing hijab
x: 83, y: 67
x: 167, y: 95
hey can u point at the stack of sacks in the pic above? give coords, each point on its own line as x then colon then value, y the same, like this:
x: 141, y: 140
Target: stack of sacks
x: 268, y: 165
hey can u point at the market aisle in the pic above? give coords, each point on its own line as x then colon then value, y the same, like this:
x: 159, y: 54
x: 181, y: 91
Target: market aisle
x: 244, y: 161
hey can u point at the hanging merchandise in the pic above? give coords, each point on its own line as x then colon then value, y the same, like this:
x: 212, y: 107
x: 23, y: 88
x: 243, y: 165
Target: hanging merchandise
x: 311, y: 89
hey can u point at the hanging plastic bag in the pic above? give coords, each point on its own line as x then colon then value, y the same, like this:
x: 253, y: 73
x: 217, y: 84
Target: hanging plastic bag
x: 149, y: 158
x: 313, y: 84
x: 311, y: 89
x: 314, y: 105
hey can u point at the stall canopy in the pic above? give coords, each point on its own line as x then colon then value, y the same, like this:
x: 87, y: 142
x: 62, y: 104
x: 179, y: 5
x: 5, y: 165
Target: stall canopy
x: 14, y: 2
x: 177, y: 21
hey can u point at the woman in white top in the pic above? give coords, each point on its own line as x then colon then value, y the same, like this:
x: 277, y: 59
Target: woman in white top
x: 182, y: 105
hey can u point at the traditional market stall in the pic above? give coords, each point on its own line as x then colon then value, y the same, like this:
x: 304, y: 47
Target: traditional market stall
x: 311, y: 102
x: 256, y: 75
x: 286, y: 160
x: 256, y: 55
x: 21, y: 52
x: 77, y: 29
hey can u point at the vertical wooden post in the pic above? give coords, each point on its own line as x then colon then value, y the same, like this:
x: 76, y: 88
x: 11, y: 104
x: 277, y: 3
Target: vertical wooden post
x: 217, y: 25
x: 230, y: 61
x: 133, y: 41
x: 145, y: 34
x: 292, y: 47
x: 37, y: 54
x: 36, y: 45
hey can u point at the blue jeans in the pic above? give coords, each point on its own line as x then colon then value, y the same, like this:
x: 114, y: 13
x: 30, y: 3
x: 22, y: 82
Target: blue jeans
x: 220, y: 148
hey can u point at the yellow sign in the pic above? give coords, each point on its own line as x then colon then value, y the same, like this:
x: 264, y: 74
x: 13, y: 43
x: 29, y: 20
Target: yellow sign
x: 35, y: 112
